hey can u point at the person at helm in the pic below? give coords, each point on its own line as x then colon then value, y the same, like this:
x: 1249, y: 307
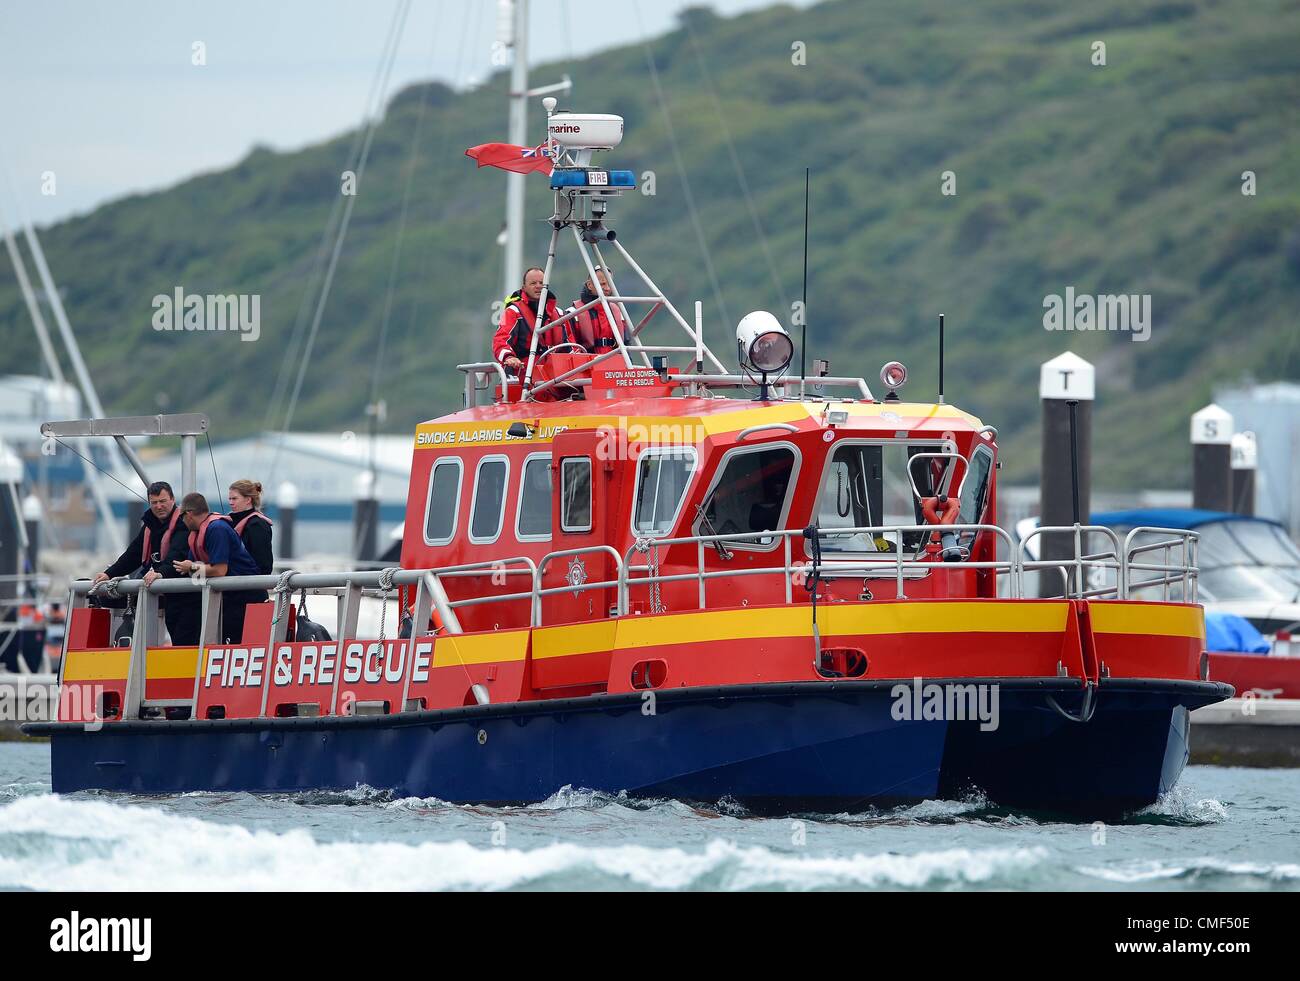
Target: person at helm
x: 592, y: 328
x: 514, y: 334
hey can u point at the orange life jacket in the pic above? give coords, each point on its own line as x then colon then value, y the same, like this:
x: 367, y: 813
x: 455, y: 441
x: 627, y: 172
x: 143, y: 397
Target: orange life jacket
x: 197, y: 538
x: 239, y: 528
x: 146, y: 551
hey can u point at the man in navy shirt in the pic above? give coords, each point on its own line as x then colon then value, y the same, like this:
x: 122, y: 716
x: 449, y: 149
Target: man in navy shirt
x: 216, y: 549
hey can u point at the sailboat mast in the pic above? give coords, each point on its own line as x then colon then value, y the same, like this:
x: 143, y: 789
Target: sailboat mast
x: 518, y: 42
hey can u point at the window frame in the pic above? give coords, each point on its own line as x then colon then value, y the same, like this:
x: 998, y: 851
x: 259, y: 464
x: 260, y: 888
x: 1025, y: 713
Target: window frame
x: 786, y: 504
x: 580, y: 458
x: 691, y: 482
x: 984, y: 490
x: 473, y: 500
x: 519, y: 503
x: 943, y: 445
x: 459, y: 464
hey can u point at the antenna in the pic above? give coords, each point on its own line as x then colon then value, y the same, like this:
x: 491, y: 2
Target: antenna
x: 1074, y: 459
x: 803, y: 337
x: 941, y: 359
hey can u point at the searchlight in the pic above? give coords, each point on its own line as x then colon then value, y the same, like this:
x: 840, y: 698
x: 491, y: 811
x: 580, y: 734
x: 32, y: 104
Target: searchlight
x: 893, y: 376
x: 763, y: 344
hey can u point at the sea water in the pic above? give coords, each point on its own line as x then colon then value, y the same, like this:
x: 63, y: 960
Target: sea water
x: 1221, y: 829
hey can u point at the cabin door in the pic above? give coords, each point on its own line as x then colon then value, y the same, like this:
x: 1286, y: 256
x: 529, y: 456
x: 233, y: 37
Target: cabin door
x: 587, y: 492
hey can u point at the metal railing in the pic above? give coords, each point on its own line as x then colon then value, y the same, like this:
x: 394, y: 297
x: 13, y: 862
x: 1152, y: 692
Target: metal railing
x: 1078, y: 568
x: 894, y: 565
x: 901, y: 564
x: 1184, y: 572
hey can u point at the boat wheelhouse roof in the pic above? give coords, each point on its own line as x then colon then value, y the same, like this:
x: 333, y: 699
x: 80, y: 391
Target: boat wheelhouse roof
x: 704, y: 417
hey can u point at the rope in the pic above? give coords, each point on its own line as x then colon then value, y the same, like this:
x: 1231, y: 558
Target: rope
x: 649, y: 547
x: 281, y: 587
x: 385, y: 587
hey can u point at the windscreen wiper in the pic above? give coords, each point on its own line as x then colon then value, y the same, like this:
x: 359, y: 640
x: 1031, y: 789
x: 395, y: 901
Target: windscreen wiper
x: 722, y: 550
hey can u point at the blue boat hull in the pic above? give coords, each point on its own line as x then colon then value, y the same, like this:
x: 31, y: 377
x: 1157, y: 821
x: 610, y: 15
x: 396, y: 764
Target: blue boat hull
x: 775, y: 748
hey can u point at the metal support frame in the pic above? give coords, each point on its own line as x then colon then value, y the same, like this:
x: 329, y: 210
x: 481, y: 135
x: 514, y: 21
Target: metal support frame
x: 187, y: 425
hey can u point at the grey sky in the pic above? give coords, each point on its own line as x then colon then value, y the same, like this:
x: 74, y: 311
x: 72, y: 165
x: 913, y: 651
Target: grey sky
x: 104, y: 95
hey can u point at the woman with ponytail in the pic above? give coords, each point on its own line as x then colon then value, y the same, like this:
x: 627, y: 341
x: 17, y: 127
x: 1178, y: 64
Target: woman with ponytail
x: 252, y: 525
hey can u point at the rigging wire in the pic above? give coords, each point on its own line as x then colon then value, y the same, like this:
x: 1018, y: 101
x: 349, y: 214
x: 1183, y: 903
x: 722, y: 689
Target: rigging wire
x: 736, y: 165
x: 691, y: 210
x: 411, y: 165
x: 404, y: 8
x: 413, y: 159
x: 106, y: 473
x: 425, y: 261
x: 323, y: 249
x: 212, y: 456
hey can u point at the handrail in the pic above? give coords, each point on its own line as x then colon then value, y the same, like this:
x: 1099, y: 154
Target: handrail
x: 473, y: 370
x: 539, y: 592
x: 1187, y: 573
x: 858, y: 561
x: 751, y: 430
x: 1080, y: 561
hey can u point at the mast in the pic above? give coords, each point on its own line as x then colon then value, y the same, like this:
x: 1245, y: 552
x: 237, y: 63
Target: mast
x: 517, y: 26
x: 512, y: 31
x: 108, y: 525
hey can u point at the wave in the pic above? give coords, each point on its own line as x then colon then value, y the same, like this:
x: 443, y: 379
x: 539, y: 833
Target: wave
x: 55, y: 843
x: 1209, y: 873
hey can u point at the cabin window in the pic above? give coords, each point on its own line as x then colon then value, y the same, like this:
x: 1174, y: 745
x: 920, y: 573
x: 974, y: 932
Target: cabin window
x: 751, y: 494
x: 533, y: 522
x: 489, y: 505
x: 575, y: 493
x: 975, y: 490
x: 866, y: 485
x: 662, y: 476
x: 444, y: 501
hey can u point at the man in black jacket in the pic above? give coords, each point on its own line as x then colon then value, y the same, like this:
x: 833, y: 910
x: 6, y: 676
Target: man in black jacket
x: 161, y: 540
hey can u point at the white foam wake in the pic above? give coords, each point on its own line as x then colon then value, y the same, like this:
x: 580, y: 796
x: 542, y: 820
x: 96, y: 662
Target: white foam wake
x: 1210, y: 869
x: 53, y: 843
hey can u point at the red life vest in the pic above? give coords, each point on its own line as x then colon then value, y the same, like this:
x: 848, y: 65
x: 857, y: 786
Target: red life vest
x: 520, y: 340
x: 239, y: 528
x: 145, y: 552
x: 592, y: 330
x: 197, y: 538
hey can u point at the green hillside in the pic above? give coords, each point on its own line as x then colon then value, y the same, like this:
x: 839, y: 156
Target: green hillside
x: 1117, y: 179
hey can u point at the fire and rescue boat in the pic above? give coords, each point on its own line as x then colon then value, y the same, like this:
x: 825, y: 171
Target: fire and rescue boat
x: 643, y: 571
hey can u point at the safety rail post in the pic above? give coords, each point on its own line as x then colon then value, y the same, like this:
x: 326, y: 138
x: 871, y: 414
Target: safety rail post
x: 789, y: 576
x: 209, y: 632
x: 349, y: 614
x: 145, y: 609
x: 278, y: 634
x: 699, y: 555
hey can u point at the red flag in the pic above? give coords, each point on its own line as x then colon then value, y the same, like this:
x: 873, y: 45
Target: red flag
x: 507, y: 156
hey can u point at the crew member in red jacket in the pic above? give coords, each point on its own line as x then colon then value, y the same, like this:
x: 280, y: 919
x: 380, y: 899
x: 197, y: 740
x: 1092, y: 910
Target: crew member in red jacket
x: 514, y: 334
x: 592, y: 327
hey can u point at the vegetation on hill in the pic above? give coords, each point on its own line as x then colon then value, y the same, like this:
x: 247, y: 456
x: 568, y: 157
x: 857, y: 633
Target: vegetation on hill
x: 1117, y: 179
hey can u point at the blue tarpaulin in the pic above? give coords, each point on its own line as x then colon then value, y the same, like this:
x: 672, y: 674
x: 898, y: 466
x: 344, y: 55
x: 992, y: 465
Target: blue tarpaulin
x: 1229, y: 632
